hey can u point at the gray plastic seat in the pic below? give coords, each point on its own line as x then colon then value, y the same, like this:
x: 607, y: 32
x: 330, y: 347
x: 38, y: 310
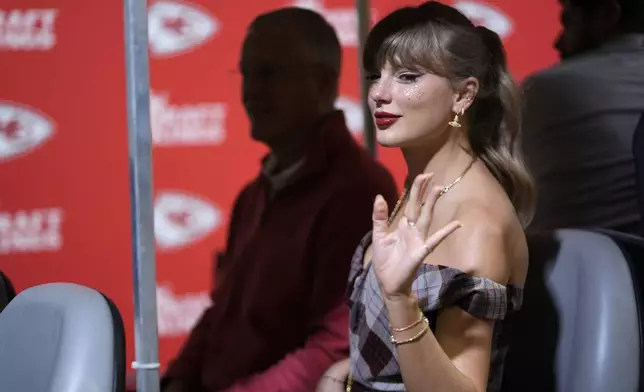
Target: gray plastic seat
x: 579, y: 329
x: 61, y: 337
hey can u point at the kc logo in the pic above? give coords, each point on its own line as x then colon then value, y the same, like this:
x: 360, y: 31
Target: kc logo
x: 181, y: 219
x: 177, y: 27
x: 22, y: 129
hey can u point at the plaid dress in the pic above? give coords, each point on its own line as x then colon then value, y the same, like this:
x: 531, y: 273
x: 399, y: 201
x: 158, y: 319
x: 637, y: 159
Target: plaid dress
x: 374, y: 366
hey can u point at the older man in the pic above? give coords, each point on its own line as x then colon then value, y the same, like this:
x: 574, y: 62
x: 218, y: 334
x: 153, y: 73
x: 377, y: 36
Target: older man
x: 293, y: 229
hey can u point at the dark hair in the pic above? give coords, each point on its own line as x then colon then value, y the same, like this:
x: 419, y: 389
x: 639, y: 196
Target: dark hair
x: 321, y: 43
x: 632, y: 12
x: 437, y: 38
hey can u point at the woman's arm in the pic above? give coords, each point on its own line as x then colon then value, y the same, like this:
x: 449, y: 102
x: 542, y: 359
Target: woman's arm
x: 456, y: 358
x: 459, y: 364
x: 339, y: 370
x: 334, y: 379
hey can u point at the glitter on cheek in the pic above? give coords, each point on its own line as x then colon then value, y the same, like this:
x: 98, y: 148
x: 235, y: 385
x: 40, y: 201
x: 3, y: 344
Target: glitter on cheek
x: 413, y: 92
x: 410, y: 91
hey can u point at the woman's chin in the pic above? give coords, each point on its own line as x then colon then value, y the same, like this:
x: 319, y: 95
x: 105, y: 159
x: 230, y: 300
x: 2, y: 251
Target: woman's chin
x: 388, y: 139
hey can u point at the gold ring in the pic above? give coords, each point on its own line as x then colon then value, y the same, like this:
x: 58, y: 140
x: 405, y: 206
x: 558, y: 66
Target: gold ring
x: 411, y: 223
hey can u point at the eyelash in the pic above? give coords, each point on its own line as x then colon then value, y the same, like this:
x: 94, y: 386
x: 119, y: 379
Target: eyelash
x: 405, y: 77
x: 408, y: 77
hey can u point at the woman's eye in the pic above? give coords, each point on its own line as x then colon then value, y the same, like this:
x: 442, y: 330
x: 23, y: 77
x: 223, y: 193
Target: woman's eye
x: 408, y: 77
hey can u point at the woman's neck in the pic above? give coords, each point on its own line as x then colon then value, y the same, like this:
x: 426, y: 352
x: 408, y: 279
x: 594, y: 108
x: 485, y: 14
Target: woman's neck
x: 446, y: 161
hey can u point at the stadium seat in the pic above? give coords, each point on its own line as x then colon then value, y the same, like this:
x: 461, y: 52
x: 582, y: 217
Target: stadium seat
x: 580, y: 326
x: 61, y: 337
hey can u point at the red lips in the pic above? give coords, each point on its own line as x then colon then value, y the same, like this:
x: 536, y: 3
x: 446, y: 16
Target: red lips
x: 384, y: 120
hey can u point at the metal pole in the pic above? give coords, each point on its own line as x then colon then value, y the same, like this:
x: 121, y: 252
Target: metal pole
x: 140, y: 159
x: 364, y: 24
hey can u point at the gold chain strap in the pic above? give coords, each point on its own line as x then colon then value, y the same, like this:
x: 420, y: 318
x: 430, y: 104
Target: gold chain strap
x: 448, y: 187
x: 398, y: 205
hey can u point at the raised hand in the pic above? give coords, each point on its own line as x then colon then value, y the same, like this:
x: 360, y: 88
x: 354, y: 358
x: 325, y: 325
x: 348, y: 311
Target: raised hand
x: 396, y: 256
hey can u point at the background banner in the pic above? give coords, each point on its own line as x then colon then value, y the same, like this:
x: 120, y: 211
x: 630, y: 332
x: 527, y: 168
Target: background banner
x: 64, y: 193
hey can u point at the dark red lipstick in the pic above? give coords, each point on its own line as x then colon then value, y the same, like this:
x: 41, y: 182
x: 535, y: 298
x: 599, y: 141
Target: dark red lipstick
x: 384, y: 120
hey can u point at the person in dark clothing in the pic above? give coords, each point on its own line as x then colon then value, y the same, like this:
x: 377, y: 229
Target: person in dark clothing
x: 580, y: 117
x: 293, y: 229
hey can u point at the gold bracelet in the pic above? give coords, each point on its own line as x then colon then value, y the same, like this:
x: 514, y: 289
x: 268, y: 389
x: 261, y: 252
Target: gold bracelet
x: 410, y: 326
x: 336, y: 380
x: 414, y: 338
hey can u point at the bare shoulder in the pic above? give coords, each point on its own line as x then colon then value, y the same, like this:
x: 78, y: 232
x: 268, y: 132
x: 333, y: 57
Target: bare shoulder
x: 491, y: 243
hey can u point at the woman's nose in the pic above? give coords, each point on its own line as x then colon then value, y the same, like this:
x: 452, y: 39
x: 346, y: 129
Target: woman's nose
x: 380, y: 92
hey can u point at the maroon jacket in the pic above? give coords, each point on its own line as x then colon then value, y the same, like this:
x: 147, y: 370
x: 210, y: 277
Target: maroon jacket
x: 271, y: 327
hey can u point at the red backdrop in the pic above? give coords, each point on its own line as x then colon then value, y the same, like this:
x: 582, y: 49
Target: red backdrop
x: 64, y: 197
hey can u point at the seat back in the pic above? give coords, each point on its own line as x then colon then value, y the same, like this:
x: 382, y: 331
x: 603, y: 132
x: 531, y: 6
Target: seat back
x: 579, y: 328
x: 638, y: 154
x: 61, y: 337
x: 7, y: 291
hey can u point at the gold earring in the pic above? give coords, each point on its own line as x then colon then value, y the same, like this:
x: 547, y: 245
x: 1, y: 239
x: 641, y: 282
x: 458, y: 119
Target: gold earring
x: 454, y: 123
